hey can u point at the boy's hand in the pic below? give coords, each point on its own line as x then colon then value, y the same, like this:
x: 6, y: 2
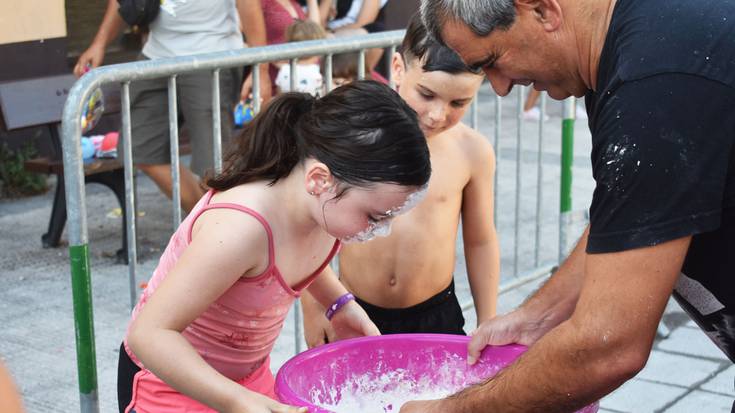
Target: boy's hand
x: 352, y: 321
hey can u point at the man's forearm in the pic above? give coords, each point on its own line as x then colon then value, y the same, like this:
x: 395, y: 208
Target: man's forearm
x: 555, y: 301
x: 567, y: 381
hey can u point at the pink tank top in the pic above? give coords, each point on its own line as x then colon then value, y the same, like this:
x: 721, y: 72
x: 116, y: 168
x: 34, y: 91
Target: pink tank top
x: 237, y: 332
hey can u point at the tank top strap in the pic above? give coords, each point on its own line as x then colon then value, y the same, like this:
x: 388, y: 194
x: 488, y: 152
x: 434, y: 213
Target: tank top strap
x: 246, y: 210
x: 303, y: 284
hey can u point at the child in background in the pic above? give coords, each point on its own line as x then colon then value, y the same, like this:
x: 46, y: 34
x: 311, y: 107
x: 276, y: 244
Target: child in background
x: 304, y: 175
x: 404, y: 281
x: 344, y: 70
x: 308, y: 71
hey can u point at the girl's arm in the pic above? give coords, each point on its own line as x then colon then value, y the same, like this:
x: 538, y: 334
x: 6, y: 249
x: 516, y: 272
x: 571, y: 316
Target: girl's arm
x: 253, y: 26
x: 368, y: 13
x: 325, y: 8
x: 212, y: 263
x: 313, y: 12
x: 478, y: 228
x: 350, y: 320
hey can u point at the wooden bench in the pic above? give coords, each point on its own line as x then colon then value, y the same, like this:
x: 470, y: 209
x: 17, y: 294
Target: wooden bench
x: 39, y: 102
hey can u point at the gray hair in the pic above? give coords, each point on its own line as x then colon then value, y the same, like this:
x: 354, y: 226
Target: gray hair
x: 480, y: 16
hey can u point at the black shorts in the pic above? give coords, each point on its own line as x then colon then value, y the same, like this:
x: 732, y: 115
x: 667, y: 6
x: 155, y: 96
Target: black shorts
x: 439, y: 314
x: 126, y: 371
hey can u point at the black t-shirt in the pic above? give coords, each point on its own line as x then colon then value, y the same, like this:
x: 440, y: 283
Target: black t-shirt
x: 663, y: 152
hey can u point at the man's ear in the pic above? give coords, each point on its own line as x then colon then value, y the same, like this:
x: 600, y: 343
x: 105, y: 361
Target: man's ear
x: 397, y: 68
x: 546, y: 12
x: 319, y: 179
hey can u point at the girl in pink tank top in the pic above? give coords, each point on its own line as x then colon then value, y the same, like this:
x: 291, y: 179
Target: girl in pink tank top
x: 305, y: 175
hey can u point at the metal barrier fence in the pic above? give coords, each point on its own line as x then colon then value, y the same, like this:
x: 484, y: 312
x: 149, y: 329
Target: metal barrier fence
x: 170, y: 68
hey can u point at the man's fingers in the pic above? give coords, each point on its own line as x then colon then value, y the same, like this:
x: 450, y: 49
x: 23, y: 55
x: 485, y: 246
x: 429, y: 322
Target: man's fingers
x: 478, y: 342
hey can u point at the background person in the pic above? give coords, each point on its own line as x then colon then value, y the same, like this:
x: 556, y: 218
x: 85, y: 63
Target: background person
x: 183, y: 28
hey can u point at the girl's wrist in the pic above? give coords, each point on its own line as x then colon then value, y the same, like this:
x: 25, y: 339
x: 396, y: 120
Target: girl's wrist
x: 340, y: 302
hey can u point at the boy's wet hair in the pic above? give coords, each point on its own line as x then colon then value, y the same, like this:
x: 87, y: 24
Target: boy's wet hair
x: 418, y: 45
x: 302, y: 30
x: 364, y: 132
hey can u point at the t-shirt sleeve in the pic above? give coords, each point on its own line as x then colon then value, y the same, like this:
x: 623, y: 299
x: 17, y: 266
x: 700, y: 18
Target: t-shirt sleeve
x: 661, y: 148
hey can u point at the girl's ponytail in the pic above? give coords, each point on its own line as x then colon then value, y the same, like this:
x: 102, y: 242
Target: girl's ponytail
x: 268, y: 147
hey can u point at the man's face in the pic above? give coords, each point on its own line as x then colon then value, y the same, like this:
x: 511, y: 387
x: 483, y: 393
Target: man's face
x: 530, y: 52
x: 440, y: 99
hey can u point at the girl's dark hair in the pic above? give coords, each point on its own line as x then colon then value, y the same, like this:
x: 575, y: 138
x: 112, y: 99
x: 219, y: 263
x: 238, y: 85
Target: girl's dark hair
x: 362, y: 131
x: 419, y: 45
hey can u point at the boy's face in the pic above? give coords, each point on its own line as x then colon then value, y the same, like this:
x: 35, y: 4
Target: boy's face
x: 439, y: 98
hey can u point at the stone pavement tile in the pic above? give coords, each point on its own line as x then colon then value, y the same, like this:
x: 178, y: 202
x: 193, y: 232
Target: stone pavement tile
x: 722, y: 383
x: 691, y: 341
x: 670, y: 368
x: 638, y: 396
x: 700, y: 401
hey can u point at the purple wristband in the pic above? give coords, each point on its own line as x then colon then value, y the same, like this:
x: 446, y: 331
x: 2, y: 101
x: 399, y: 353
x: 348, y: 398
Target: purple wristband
x: 338, y: 303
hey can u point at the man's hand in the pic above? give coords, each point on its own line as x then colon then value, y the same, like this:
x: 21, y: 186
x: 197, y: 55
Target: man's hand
x: 423, y: 406
x: 352, y: 321
x: 514, y: 327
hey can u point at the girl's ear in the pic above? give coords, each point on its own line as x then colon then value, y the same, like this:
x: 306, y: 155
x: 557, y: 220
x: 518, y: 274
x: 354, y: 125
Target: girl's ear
x: 318, y: 179
x: 397, y: 68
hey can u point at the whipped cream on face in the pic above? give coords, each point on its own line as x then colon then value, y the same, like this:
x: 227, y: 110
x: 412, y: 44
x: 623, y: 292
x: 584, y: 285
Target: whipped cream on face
x: 382, y: 228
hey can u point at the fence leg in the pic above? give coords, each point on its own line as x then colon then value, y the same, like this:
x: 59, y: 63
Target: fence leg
x: 84, y: 325
x: 565, y: 194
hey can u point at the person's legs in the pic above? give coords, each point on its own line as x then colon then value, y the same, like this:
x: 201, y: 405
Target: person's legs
x: 191, y: 190
x: 195, y: 98
x: 151, y: 143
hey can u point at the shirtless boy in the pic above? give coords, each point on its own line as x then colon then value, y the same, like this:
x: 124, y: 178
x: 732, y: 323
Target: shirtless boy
x: 405, y: 281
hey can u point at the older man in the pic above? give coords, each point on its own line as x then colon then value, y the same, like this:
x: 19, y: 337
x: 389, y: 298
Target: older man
x: 659, y: 79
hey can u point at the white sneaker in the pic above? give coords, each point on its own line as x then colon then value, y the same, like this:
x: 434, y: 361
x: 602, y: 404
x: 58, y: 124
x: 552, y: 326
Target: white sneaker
x: 581, y: 113
x: 534, y: 114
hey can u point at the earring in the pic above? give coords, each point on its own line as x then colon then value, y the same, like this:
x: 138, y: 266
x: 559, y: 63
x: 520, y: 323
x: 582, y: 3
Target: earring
x: 312, y: 193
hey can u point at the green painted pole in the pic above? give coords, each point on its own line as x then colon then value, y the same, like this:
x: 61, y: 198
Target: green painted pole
x: 83, y: 319
x: 565, y: 189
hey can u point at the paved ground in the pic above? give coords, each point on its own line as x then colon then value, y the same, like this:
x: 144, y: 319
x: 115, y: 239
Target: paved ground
x: 685, y: 373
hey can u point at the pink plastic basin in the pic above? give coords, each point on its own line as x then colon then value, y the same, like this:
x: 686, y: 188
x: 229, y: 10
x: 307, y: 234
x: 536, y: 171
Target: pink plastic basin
x: 320, y: 376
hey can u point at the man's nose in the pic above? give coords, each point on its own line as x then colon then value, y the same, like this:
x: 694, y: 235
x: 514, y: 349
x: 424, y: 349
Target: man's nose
x: 501, y: 84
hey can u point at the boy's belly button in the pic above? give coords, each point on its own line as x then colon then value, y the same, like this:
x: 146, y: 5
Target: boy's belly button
x: 392, y: 281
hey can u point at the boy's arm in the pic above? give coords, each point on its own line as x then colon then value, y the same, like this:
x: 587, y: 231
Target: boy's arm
x: 109, y: 29
x: 481, y: 250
